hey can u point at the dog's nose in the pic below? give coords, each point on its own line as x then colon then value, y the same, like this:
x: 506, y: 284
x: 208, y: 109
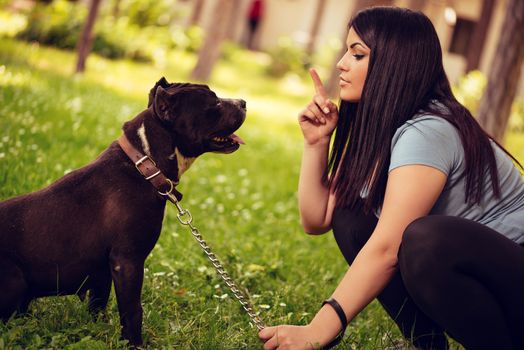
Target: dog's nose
x: 243, y: 104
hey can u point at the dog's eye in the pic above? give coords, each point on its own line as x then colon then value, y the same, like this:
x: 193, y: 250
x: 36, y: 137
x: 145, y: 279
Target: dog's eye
x: 219, y: 104
x: 213, y: 112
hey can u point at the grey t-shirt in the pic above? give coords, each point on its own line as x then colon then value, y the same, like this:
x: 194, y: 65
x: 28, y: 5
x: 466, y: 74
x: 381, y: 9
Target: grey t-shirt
x: 433, y: 141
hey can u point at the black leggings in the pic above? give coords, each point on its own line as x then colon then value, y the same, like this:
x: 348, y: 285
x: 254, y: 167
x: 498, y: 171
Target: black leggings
x: 455, y: 276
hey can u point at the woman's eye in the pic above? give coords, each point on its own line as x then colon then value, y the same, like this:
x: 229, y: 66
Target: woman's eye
x: 358, y: 57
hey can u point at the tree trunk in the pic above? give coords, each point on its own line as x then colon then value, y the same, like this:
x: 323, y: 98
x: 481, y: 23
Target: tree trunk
x: 478, y: 39
x: 319, y: 14
x: 504, y: 75
x: 197, y: 13
x: 416, y: 5
x: 236, y: 19
x: 215, y: 34
x: 116, y: 9
x: 85, y: 40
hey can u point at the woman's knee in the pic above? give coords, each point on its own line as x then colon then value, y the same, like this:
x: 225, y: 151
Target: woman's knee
x: 421, y: 248
x: 352, y: 229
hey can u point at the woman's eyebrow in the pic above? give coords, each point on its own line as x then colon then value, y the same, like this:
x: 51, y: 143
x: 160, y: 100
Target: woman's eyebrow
x: 355, y: 44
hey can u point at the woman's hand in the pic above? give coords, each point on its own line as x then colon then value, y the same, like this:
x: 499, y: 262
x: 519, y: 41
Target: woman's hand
x: 319, y: 118
x: 289, y: 338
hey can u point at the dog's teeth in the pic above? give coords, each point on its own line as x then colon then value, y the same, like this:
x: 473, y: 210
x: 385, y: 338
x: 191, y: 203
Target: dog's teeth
x: 224, y: 139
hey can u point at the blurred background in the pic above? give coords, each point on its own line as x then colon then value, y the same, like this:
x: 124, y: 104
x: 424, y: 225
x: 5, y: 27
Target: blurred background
x: 478, y: 37
x: 72, y: 72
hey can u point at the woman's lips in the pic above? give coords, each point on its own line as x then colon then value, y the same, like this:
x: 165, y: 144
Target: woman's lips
x: 343, y: 82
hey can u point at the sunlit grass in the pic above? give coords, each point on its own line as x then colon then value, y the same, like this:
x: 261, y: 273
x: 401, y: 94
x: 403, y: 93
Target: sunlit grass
x: 245, y: 204
x: 52, y: 122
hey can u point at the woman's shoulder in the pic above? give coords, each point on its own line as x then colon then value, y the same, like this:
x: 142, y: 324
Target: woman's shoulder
x: 428, y: 120
x: 427, y: 125
x: 427, y: 139
x: 431, y: 117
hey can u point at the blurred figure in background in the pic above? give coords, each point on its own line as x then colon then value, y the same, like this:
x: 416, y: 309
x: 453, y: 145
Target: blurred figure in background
x: 255, y: 14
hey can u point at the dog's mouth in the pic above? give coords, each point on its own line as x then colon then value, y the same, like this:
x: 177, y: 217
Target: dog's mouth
x: 226, y: 144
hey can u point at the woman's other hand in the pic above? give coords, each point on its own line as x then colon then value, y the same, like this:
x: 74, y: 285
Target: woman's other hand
x: 288, y: 337
x: 319, y: 118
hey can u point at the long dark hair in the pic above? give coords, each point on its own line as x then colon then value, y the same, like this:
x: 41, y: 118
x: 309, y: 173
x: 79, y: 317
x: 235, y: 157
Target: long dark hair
x: 405, y: 74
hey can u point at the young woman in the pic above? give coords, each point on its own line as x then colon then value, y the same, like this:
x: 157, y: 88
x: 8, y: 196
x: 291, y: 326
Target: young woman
x: 427, y: 209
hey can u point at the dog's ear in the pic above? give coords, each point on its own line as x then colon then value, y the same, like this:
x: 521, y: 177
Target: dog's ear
x: 161, y: 103
x: 163, y: 83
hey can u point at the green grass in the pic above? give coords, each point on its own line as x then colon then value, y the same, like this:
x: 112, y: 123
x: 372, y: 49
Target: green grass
x: 244, y: 204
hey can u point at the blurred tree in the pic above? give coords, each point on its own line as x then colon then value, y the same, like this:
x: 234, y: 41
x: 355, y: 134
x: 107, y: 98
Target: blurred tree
x: 504, y: 75
x: 416, y: 5
x: 478, y: 38
x: 236, y: 19
x: 197, y: 13
x: 116, y: 8
x: 317, y: 21
x: 85, y: 41
x: 215, y: 35
x: 50, y: 1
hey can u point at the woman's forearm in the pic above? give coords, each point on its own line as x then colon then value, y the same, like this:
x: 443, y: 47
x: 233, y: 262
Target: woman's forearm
x: 365, y: 279
x: 313, y: 194
x: 370, y: 272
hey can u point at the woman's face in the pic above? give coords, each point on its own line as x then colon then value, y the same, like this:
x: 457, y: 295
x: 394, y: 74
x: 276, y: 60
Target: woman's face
x: 353, y: 68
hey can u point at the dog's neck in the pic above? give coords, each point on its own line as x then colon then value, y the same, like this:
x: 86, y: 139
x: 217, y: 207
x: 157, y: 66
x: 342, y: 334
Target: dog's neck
x: 147, y: 134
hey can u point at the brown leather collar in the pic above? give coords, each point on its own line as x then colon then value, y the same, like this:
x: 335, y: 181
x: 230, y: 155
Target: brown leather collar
x: 148, y: 169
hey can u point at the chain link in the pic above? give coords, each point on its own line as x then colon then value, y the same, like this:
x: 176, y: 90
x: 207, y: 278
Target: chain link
x: 186, y: 219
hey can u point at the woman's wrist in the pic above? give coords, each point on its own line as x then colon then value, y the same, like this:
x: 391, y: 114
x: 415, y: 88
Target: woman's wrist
x: 326, y: 325
x: 320, y: 143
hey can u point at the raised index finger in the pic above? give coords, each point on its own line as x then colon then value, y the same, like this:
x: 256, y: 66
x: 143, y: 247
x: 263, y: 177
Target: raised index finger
x: 319, y: 87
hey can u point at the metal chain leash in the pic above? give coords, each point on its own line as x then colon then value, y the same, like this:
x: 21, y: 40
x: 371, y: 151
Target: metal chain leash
x: 255, y: 319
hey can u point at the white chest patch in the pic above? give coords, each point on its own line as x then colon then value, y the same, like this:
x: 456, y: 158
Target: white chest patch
x: 143, y: 139
x: 182, y: 162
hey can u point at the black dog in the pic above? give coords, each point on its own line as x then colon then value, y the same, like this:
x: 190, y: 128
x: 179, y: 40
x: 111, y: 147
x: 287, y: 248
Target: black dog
x: 98, y: 224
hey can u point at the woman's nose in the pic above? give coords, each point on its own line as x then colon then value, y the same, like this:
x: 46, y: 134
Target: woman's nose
x: 341, y: 64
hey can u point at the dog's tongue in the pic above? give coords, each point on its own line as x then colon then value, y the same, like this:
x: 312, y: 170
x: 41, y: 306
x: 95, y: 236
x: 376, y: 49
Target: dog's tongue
x: 237, y: 139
